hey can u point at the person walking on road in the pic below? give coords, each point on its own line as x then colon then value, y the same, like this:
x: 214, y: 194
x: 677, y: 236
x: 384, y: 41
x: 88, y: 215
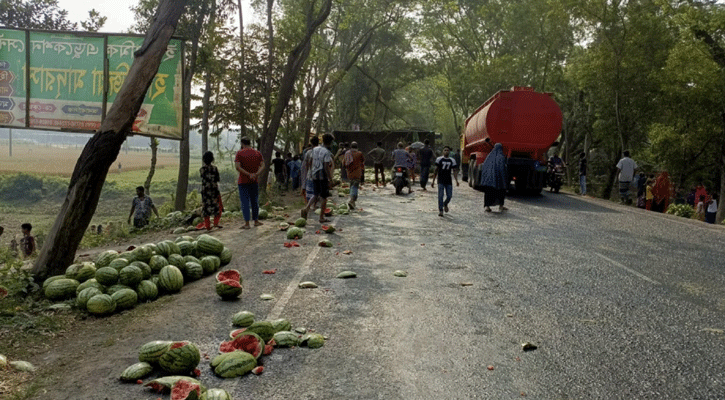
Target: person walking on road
x: 426, y: 155
x: 210, y: 197
x: 250, y: 164
x: 308, y: 190
x: 354, y: 165
x: 412, y: 162
x: 279, y: 170
x: 625, y: 168
x: 494, y: 178
x: 378, y: 156
x: 445, y: 168
x: 583, y: 173
x: 321, y: 173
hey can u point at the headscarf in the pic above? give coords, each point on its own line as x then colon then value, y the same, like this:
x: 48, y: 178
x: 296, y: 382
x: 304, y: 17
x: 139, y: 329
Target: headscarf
x: 494, y: 171
x: 662, y: 189
x: 700, y: 192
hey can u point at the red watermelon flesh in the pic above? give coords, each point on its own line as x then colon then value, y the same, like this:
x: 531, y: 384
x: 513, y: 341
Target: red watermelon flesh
x: 268, y: 349
x: 258, y: 370
x: 230, y: 274
x: 233, y: 283
x: 249, y: 343
x: 185, y: 390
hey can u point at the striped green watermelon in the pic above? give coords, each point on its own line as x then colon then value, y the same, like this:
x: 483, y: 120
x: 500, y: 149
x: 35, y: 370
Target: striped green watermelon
x: 115, y: 288
x: 51, y: 279
x: 171, y: 279
x: 86, y: 272
x: 243, y: 319
x: 128, y: 255
x: 143, y: 253
x: 281, y: 324
x: 157, y: 262
x: 165, y: 383
x: 101, y: 304
x: 194, y: 271
x: 180, y: 358
x: 61, y: 289
x: 125, y: 299
x: 177, y: 260
x: 72, y: 271
x: 163, y: 248
x: 191, y: 259
x: 147, y: 291
x: 225, y: 257
x: 229, y: 289
x: 136, y: 371
x: 145, y: 268
x: 104, y: 259
x: 209, y: 264
x: 207, y: 244
x: 152, y: 351
x: 187, y: 248
x: 216, y: 394
x: 85, y: 295
x: 237, y: 363
x: 90, y: 283
x: 185, y: 238
x: 264, y: 329
x: 107, y: 276
x: 130, y: 276
x: 118, y: 263
x: 286, y: 339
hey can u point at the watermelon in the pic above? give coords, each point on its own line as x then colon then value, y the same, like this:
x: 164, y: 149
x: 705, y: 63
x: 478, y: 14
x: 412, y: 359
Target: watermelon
x: 245, y: 341
x: 104, y: 259
x: 301, y: 222
x: 130, y: 276
x: 281, y: 324
x: 191, y: 259
x: 180, y: 358
x: 163, y: 249
x: 86, y: 272
x: 156, y: 263
x: 185, y: 390
x: 187, y: 248
x: 106, y: 276
x: 263, y: 214
x: 90, y: 283
x: 115, y: 288
x: 262, y: 328
x: 226, y: 256
x: 324, y: 243
x: 194, y: 271
x: 286, y: 339
x: 229, y: 289
x: 185, y: 238
x: 72, y: 271
x: 179, y: 230
x: 125, y: 299
x: 207, y: 244
x: 295, y: 233
x: 101, y: 304
x: 85, y: 295
x: 128, y: 255
x: 152, y: 247
x: 136, y: 371
x: 152, y: 351
x: 313, y: 340
x: 216, y: 394
x: 61, y: 289
x: 232, y: 274
x: 328, y: 228
x: 237, y: 363
x: 209, y: 264
x: 147, y: 291
x: 164, y: 384
x: 51, y: 279
x: 243, y: 319
x: 171, y: 279
x: 119, y: 263
x: 145, y: 268
x: 177, y: 260
x: 143, y: 253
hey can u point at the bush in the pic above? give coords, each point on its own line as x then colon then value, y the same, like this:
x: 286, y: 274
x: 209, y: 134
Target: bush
x: 27, y: 188
x: 681, y: 210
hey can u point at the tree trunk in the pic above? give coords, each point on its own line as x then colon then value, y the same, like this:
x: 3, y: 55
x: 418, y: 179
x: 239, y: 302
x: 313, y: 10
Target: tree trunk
x: 720, y: 207
x: 242, y: 56
x: 295, y: 61
x: 154, y: 150
x: 206, y: 104
x: 270, y: 63
x: 182, y: 183
x: 101, y: 151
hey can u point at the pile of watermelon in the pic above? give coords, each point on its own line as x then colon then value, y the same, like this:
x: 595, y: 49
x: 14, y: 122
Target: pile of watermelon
x: 118, y: 281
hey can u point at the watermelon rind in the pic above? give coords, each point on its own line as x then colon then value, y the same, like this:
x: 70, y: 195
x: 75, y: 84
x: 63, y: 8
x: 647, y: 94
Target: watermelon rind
x: 238, y: 364
x: 136, y: 371
x: 180, y: 360
x: 167, y: 382
x: 216, y: 394
x: 243, y: 319
x: 152, y: 351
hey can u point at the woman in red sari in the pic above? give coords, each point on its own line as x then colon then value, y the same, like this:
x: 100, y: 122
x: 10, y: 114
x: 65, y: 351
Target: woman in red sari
x: 662, y: 192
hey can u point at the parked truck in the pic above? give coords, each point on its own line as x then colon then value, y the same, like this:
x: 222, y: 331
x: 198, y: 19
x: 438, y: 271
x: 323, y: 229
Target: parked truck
x: 527, y: 123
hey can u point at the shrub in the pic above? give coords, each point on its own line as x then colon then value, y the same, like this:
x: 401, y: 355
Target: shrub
x: 681, y: 210
x: 26, y: 188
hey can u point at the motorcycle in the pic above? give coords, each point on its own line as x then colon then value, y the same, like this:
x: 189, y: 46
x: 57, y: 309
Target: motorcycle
x: 555, y: 177
x: 400, y: 179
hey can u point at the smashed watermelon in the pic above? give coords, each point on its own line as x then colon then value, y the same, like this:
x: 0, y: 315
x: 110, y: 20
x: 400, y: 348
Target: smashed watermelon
x: 185, y: 390
x: 228, y: 289
x: 246, y: 341
x: 232, y: 274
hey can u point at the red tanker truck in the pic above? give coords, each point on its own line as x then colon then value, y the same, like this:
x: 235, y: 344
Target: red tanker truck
x: 526, y: 123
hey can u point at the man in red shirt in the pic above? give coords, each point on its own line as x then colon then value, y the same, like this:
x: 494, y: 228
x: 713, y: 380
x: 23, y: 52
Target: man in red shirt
x: 355, y: 165
x: 250, y: 164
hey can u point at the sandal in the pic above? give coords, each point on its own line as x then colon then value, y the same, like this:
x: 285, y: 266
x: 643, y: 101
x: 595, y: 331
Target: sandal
x: 487, y: 209
x: 245, y: 227
x: 257, y: 223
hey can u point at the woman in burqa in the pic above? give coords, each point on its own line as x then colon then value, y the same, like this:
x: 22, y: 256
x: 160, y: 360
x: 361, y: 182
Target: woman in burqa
x: 494, y: 178
x: 662, y: 192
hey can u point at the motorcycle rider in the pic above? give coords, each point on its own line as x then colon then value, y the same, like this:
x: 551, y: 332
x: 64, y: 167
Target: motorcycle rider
x: 556, y: 164
x: 402, y: 158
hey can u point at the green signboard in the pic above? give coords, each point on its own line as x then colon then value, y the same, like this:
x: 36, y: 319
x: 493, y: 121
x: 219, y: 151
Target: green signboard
x: 59, y: 80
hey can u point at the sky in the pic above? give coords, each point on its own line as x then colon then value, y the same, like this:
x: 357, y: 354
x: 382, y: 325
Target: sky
x: 120, y: 16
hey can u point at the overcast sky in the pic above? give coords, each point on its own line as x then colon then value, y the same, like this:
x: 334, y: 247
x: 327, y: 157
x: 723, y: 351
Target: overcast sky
x: 120, y: 17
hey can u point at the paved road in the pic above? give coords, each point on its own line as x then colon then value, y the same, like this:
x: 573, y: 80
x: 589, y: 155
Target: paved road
x: 621, y: 303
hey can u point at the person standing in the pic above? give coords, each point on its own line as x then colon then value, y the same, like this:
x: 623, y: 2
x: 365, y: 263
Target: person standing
x: 308, y: 188
x: 141, y: 208
x: 711, y: 211
x: 662, y: 192
x: 625, y: 169
x: 457, y: 158
x: 583, y: 173
x: 210, y: 196
x: 445, y: 167
x: 412, y: 161
x: 321, y: 173
x: 340, y: 161
x: 293, y: 166
x: 378, y: 156
x: 355, y: 165
x: 494, y: 178
x: 426, y: 155
x: 27, y: 243
x: 287, y: 172
x: 279, y: 169
x: 250, y: 164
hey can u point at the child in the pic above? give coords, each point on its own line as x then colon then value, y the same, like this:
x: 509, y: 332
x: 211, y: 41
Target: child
x: 700, y: 210
x: 27, y: 243
x: 649, y: 196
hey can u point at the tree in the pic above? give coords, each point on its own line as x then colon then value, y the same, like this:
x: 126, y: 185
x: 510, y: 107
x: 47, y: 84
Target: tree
x: 101, y: 151
x: 35, y: 14
x: 94, y: 22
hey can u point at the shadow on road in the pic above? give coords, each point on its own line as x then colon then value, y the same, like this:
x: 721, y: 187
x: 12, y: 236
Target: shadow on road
x: 560, y: 202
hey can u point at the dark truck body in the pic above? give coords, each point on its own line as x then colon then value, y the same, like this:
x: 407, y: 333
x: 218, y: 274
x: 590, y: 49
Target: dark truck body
x: 526, y: 123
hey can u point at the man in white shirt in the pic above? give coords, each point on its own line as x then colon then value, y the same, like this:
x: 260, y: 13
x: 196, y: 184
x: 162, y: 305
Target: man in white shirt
x: 625, y: 168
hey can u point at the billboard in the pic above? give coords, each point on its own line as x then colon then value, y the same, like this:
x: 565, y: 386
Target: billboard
x: 68, y: 80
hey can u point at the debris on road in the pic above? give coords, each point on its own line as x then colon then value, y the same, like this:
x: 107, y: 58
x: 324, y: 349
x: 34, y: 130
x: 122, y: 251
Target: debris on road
x: 400, y: 273
x: 466, y: 284
x: 346, y: 275
x: 307, y: 285
x: 528, y: 346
